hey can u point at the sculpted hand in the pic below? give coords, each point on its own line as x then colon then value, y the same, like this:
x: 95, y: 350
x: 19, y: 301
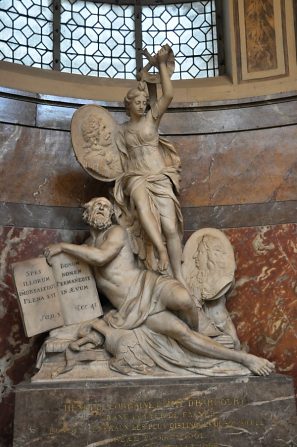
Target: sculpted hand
x: 51, y: 251
x: 153, y: 60
x: 163, y: 54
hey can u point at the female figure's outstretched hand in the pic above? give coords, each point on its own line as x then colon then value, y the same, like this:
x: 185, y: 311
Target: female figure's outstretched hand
x: 163, y: 54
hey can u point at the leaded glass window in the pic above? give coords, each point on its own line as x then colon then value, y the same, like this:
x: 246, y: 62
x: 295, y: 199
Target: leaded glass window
x: 98, y: 39
x: 105, y: 39
x: 26, y: 32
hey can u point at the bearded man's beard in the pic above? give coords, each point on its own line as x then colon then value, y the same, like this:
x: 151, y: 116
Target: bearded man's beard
x: 94, y: 222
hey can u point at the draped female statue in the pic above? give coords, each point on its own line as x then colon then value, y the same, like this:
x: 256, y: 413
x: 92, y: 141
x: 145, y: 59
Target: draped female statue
x: 146, y: 170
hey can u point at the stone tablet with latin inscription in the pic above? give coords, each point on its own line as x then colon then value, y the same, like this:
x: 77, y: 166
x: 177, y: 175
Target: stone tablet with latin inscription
x: 38, y: 296
x: 50, y: 297
x: 77, y: 289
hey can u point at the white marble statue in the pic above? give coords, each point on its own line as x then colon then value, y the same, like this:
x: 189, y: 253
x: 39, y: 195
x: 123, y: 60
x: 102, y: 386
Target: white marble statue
x: 154, y: 320
x: 168, y: 312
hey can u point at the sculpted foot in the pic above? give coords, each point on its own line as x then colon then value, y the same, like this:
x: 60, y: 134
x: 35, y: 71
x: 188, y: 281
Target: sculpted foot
x: 258, y: 365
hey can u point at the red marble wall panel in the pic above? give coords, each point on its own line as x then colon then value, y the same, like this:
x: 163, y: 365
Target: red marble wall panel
x: 18, y: 353
x: 263, y: 303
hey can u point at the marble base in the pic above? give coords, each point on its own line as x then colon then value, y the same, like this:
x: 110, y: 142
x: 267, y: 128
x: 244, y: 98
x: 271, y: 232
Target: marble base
x: 209, y: 412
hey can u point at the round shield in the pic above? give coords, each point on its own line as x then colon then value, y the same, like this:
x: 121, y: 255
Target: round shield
x: 93, y: 134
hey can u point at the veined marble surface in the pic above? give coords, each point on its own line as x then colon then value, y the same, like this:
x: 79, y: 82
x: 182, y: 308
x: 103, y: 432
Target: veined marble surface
x: 263, y: 303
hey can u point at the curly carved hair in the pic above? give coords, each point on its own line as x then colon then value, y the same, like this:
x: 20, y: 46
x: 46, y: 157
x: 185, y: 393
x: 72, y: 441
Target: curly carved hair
x: 91, y: 127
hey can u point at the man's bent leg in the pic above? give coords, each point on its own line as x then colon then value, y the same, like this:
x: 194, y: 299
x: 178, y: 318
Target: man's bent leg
x: 176, y: 298
x: 168, y: 324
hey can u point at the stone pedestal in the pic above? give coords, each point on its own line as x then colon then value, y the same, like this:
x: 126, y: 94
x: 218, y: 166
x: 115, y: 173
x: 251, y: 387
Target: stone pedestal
x: 209, y: 412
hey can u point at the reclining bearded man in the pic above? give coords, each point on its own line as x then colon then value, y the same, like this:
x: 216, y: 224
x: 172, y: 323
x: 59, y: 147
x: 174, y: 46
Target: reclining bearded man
x: 142, y: 297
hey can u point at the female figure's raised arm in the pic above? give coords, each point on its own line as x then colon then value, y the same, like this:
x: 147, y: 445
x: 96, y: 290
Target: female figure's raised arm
x: 166, y: 84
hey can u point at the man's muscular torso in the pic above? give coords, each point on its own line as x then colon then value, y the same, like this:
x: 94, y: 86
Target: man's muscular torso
x: 115, y: 277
